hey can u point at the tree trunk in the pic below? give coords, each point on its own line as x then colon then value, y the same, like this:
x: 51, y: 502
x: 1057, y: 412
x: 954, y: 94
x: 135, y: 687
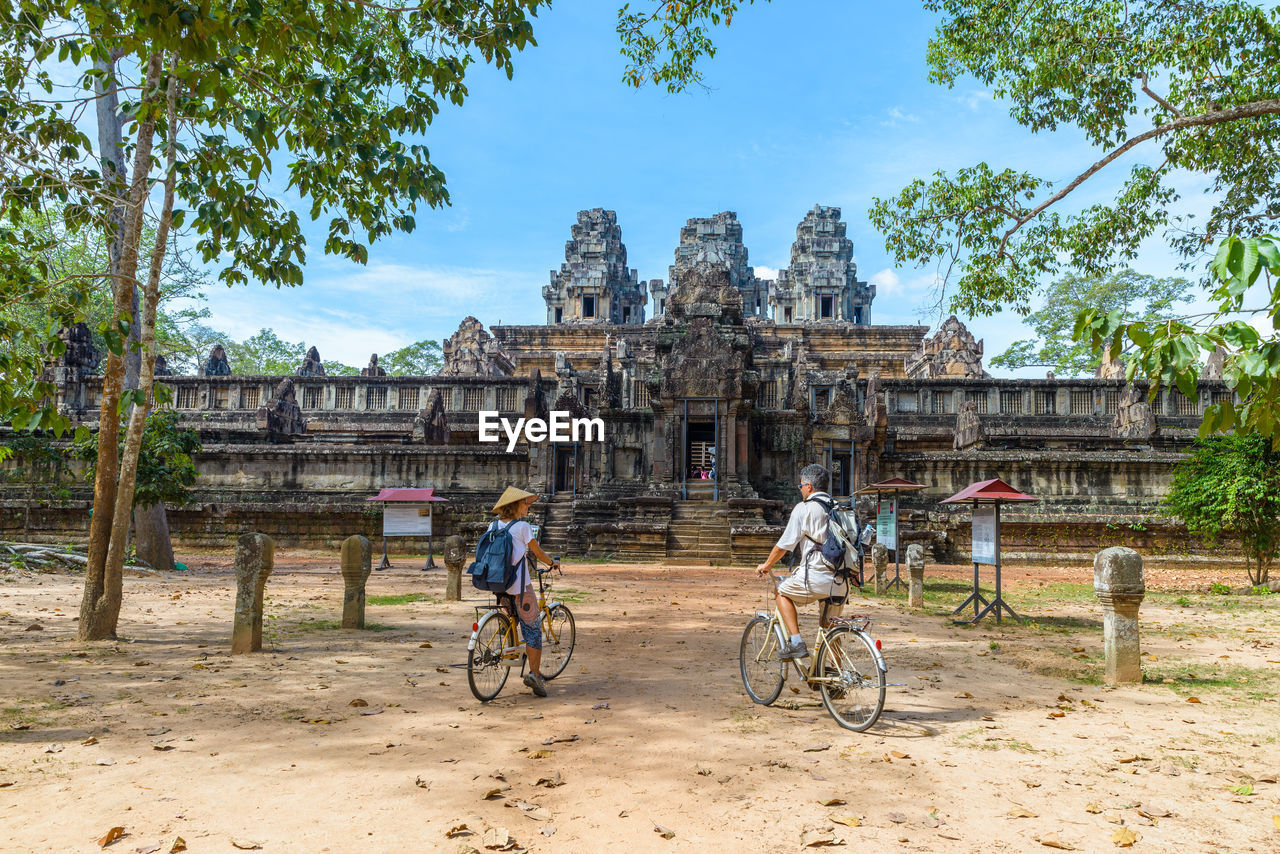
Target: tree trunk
x: 103, y: 583
x: 151, y: 534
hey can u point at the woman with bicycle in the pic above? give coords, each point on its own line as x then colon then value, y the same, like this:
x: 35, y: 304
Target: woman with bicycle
x: 511, y: 508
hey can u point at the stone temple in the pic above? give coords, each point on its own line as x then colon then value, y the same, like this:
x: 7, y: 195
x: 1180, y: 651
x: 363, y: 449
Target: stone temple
x: 715, y: 386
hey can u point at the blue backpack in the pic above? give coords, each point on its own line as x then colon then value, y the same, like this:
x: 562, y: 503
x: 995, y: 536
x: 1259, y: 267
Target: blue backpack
x: 835, y: 547
x: 492, y: 569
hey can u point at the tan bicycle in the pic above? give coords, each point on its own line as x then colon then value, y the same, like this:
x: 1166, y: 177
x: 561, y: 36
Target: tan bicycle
x: 495, y: 646
x: 846, y: 665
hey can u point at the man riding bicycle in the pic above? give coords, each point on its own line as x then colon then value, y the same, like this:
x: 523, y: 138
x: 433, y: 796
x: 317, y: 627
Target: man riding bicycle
x: 813, y: 578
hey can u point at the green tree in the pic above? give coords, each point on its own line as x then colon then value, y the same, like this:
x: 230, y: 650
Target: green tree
x: 1230, y: 487
x: 420, y: 359
x: 265, y: 354
x: 217, y: 96
x: 1133, y: 294
x: 166, y: 474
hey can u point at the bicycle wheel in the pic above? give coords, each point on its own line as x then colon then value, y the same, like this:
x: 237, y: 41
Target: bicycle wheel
x: 486, y: 670
x: 852, y: 682
x: 558, y: 636
x: 762, y: 670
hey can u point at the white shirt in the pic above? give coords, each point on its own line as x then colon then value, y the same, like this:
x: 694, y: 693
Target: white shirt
x: 521, y: 535
x: 808, y: 524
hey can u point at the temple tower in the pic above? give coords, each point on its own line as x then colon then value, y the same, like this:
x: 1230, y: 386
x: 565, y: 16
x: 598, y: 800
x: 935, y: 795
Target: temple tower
x: 821, y: 284
x: 594, y: 285
x: 719, y: 237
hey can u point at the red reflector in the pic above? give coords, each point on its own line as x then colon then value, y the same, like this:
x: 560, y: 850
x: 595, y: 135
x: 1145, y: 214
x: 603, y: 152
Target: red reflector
x: 475, y: 627
x: 877, y: 643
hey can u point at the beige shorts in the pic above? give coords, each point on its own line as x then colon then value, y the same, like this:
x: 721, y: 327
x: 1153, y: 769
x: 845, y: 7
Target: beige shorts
x: 795, y: 589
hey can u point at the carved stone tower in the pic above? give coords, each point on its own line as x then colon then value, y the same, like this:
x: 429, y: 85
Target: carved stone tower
x: 594, y: 285
x: 720, y: 238
x: 822, y: 282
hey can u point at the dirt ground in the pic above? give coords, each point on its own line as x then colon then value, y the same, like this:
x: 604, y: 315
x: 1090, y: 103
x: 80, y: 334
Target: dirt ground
x: 994, y: 738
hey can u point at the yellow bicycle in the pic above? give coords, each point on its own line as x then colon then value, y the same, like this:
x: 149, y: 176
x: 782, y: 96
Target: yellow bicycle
x: 495, y: 646
x: 846, y: 665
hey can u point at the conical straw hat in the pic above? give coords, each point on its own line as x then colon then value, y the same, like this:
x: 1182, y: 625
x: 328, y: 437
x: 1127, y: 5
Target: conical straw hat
x: 511, y: 496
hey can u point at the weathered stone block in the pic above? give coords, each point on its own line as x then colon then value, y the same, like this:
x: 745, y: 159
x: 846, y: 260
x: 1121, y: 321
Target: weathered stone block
x: 255, y: 558
x: 915, y: 566
x: 357, y: 562
x: 880, y: 560
x: 455, y: 555
x: 1120, y: 584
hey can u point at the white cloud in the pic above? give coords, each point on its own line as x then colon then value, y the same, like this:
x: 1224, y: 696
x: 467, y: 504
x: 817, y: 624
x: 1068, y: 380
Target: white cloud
x: 974, y: 99
x: 887, y: 283
x: 770, y: 273
x: 899, y: 116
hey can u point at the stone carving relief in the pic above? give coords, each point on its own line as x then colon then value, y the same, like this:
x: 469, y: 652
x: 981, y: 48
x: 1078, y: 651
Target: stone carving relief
x: 952, y: 351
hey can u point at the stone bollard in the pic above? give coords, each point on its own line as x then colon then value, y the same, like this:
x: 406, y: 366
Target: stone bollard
x: 915, y: 566
x: 880, y: 559
x: 357, y: 562
x: 255, y: 556
x: 455, y: 555
x: 1120, y: 585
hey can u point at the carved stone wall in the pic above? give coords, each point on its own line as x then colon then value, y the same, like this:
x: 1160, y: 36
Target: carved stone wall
x: 473, y: 352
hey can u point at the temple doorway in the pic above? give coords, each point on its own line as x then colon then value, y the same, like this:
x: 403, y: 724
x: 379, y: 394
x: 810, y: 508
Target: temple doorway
x: 566, y: 477
x: 699, y: 468
x: 840, y: 464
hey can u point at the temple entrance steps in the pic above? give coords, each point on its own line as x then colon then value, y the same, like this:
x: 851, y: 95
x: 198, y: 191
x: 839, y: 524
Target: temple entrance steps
x: 699, y: 533
x: 554, y: 536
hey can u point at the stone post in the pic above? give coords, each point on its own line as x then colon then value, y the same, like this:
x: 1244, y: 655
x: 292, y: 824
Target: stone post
x: 1119, y: 582
x: 255, y: 557
x: 915, y: 566
x: 880, y: 559
x: 455, y: 555
x: 357, y: 562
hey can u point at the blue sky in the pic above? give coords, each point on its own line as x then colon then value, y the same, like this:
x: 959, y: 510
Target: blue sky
x: 809, y: 102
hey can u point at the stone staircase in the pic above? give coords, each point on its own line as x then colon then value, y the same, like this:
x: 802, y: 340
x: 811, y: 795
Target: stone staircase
x: 698, y: 533
x: 555, y: 526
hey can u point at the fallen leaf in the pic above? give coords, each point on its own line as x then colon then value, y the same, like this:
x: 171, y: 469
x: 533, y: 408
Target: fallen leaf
x: 897, y: 817
x: 425, y: 645
x: 964, y: 695
x: 832, y: 801
x: 20, y: 726
x: 316, y: 721
x: 162, y: 747
x: 539, y: 814
x: 1077, y: 649
x: 442, y: 670
x: 664, y: 832
x: 90, y: 740
x: 1125, y: 837
x: 897, y: 754
x: 179, y: 844
x: 1021, y: 812
x: 1149, y: 811
x: 603, y: 705
x: 817, y: 838
x: 493, y: 794
x: 458, y: 830
x: 554, y: 739
x: 371, y: 711
x: 34, y: 627
x: 988, y: 718
x: 147, y: 849
x: 542, y: 754
x: 1193, y: 699
x: 6, y: 784
x: 817, y: 748
x: 1093, y: 808
x: 847, y: 820
x: 1275, y: 819
x: 245, y: 844
x: 110, y: 836
x: 359, y: 703
x: 1057, y: 714
x: 549, y: 830
x: 1242, y: 789
x: 106, y: 760
x: 498, y: 838
x: 1051, y: 840
x: 550, y: 782
x: 54, y: 748
x: 421, y: 783
x: 1125, y: 760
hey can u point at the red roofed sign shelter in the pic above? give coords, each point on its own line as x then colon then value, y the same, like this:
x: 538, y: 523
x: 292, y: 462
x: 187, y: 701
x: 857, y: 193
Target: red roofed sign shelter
x: 406, y: 512
x: 986, y: 496
x: 887, y: 531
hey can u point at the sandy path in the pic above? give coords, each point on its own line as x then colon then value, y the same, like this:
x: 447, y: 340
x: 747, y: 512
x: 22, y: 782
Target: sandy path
x: 265, y: 749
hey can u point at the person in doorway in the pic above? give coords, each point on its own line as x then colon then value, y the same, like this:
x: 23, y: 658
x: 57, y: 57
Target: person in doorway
x: 513, y: 506
x: 813, y: 579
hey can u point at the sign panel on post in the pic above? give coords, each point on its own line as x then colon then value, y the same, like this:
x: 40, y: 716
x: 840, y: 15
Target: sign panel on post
x: 887, y: 524
x: 984, y: 533
x: 406, y: 520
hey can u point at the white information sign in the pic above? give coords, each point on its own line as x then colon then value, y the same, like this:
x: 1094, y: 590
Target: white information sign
x: 984, y: 533
x: 887, y: 524
x: 406, y: 520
